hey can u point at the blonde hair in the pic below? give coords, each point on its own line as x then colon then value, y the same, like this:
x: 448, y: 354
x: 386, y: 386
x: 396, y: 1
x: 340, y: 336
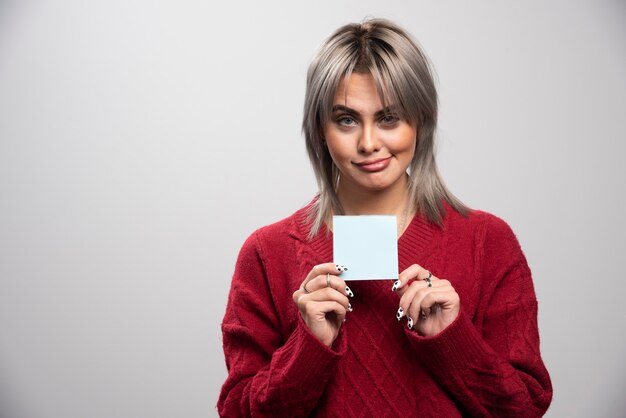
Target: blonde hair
x: 404, y: 78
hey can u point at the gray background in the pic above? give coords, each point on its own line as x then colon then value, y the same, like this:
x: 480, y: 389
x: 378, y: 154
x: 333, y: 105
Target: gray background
x: 142, y: 141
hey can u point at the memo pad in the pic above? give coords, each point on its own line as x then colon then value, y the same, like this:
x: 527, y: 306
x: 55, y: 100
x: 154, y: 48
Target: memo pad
x: 367, y: 245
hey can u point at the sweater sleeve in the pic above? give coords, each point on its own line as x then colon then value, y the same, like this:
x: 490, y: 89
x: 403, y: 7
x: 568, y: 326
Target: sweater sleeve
x: 268, y: 375
x: 495, y: 369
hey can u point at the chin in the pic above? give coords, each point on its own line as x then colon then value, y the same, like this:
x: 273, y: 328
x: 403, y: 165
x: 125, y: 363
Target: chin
x: 377, y: 187
x: 380, y: 184
x: 373, y: 183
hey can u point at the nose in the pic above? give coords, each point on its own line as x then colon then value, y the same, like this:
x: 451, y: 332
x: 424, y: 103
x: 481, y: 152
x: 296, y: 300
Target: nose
x: 368, y: 141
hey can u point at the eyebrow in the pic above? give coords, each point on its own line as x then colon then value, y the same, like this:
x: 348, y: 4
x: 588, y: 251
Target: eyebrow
x: 385, y: 111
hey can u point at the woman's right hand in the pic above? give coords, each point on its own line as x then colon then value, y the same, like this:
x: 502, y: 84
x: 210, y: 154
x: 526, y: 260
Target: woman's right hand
x: 322, y: 300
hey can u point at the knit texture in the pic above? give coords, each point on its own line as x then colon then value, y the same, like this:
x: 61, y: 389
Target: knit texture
x: 486, y: 363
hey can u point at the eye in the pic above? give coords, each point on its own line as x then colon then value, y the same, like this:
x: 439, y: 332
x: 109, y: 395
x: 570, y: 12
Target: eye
x: 389, y: 119
x: 346, y: 120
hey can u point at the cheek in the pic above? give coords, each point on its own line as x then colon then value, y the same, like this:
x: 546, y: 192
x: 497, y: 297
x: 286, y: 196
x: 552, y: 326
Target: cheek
x: 337, y: 154
x: 403, y: 144
x: 338, y: 147
x: 411, y: 140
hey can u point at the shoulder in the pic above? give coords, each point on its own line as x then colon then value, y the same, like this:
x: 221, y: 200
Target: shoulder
x: 278, y: 233
x: 494, y: 248
x: 487, y: 230
x: 293, y: 226
x: 476, y: 220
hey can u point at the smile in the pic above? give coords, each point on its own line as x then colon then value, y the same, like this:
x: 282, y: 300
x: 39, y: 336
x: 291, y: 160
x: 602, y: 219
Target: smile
x: 372, y: 166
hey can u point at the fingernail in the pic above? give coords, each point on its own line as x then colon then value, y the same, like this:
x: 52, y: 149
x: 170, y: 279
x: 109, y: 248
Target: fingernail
x: 400, y: 313
x: 396, y: 284
x: 423, y: 314
x: 349, y: 292
x: 349, y: 307
x: 341, y: 268
x: 410, y: 322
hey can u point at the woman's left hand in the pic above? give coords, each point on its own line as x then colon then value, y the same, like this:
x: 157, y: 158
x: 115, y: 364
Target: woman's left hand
x: 429, y: 303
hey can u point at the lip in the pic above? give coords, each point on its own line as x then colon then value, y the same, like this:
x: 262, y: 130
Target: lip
x: 373, y: 166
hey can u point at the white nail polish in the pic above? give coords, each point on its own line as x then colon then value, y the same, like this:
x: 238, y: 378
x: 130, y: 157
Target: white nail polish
x: 341, y: 268
x: 349, y: 292
x: 410, y: 322
x: 349, y: 307
x: 396, y: 284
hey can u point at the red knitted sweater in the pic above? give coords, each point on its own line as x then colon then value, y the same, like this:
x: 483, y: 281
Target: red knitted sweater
x: 486, y: 363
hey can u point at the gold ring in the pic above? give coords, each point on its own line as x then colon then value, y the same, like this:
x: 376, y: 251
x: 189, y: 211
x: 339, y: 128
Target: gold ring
x: 327, y: 279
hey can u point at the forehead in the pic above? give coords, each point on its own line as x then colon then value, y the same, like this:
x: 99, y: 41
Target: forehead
x: 359, y: 92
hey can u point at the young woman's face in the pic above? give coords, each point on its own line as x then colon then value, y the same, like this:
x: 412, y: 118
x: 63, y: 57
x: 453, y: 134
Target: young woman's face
x: 371, y: 146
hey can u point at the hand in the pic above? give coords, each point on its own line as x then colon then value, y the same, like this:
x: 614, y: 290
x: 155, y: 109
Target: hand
x: 429, y: 309
x: 322, y: 301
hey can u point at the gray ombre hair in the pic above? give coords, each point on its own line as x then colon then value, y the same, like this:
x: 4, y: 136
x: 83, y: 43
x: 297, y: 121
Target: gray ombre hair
x: 404, y: 78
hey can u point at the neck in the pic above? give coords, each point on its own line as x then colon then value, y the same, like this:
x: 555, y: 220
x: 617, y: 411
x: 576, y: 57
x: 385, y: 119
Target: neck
x: 390, y: 201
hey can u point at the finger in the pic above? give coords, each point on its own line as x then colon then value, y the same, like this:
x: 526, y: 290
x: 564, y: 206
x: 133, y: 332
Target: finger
x: 340, y: 285
x: 324, y: 281
x: 428, y: 301
x: 444, y: 298
x: 314, y: 309
x: 328, y: 294
x: 317, y: 290
x: 323, y: 270
x: 407, y: 298
x: 443, y: 305
x: 428, y: 279
x: 412, y: 292
x: 301, y: 294
x: 415, y: 271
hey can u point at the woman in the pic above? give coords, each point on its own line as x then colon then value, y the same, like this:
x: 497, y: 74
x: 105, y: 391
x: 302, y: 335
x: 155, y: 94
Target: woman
x: 454, y: 335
